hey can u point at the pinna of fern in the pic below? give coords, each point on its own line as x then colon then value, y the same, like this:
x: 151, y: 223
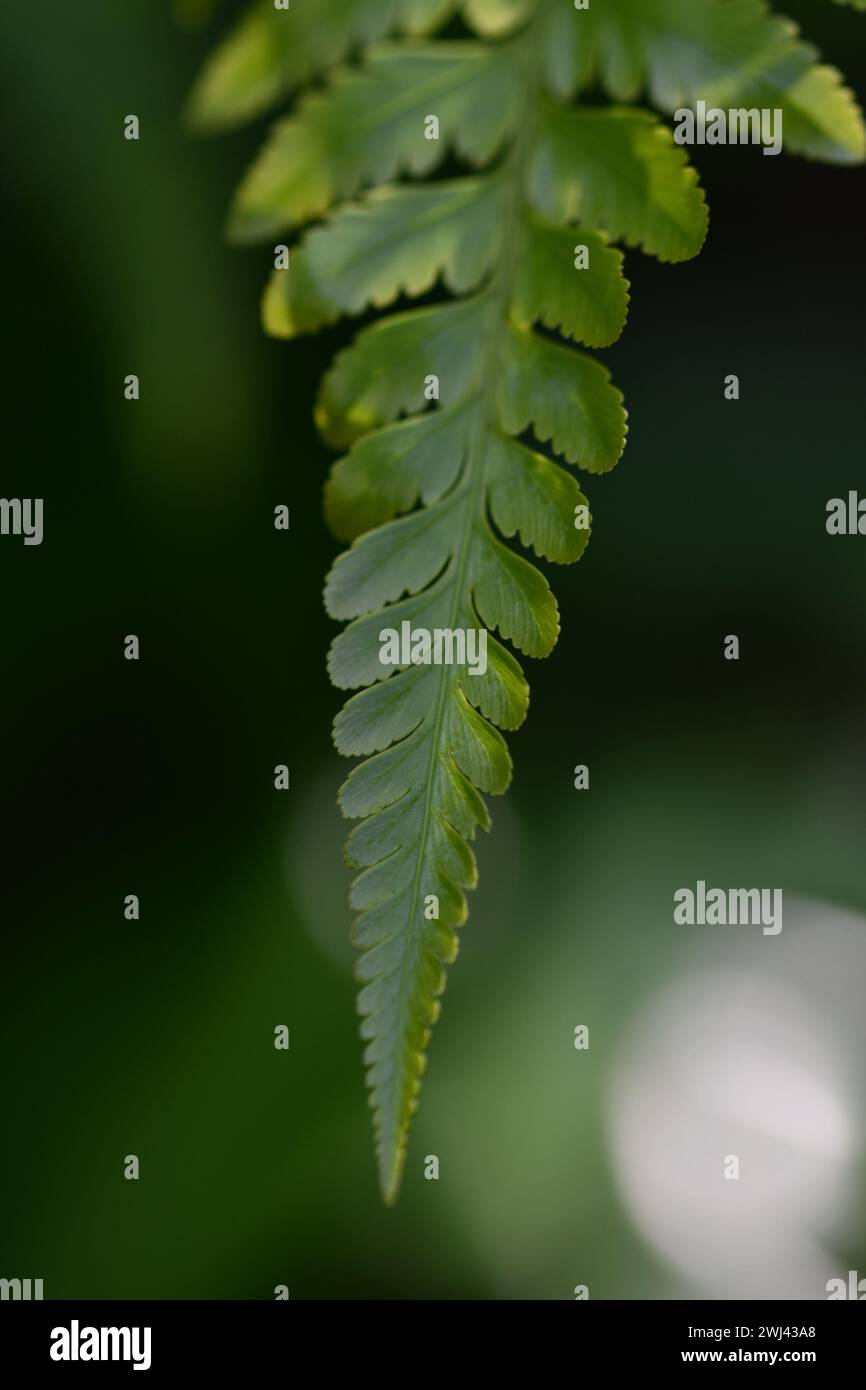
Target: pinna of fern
x: 459, y: 420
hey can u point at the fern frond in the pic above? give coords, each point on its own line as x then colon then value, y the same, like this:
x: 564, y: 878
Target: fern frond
x: 460, y: 420
x: 726, y: 52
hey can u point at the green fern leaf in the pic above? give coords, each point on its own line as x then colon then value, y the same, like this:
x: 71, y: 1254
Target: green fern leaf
x: 619, y: 170
x: 726, y: 52
x: 588, y: 309
x: 399, y: 240
x: 270, y: 52
x: 369, y: 127
x: 460, y: 420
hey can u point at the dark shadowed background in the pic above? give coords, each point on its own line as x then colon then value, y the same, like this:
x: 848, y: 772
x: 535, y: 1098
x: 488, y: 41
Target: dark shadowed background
x: 558, y: 1167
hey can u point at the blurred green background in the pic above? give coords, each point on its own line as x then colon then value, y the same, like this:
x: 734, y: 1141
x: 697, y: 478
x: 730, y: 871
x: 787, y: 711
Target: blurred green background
x: 156, y: 777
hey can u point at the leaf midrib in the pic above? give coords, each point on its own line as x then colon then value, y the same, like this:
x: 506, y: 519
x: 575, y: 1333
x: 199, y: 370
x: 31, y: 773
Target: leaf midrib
x: 500, y: 291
